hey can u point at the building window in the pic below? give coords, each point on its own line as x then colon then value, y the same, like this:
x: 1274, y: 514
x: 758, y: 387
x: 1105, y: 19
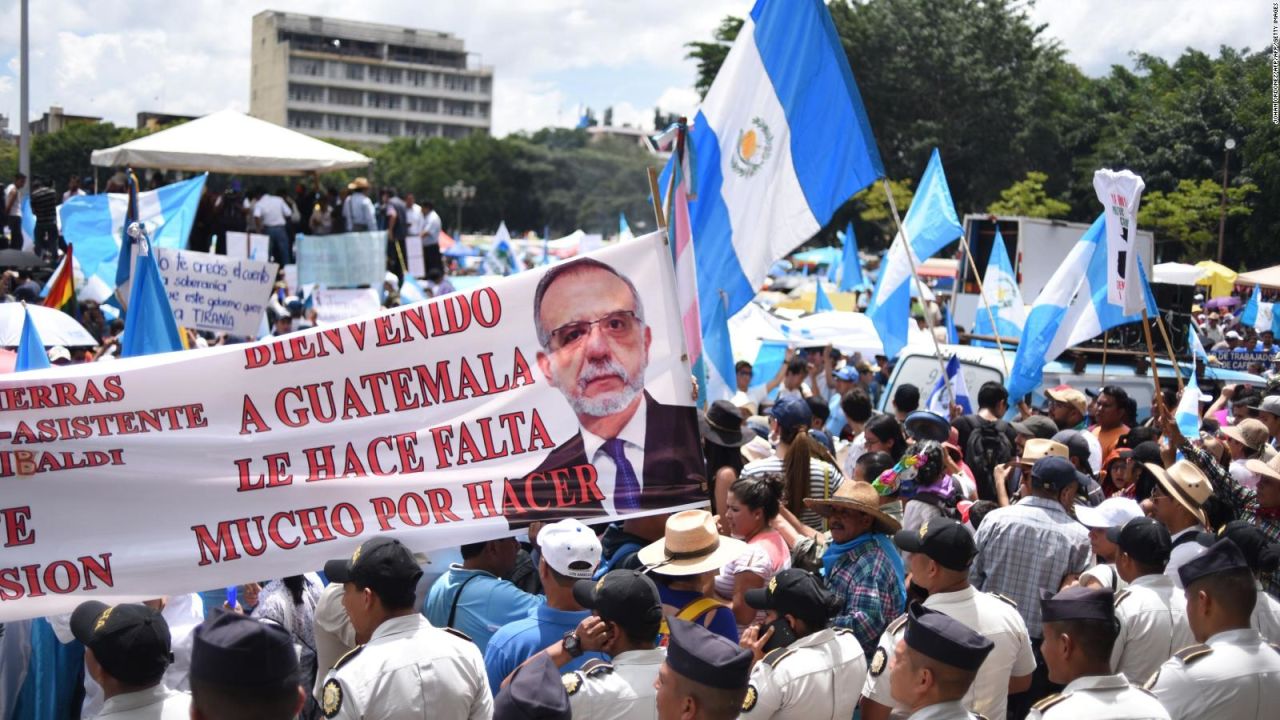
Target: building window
x: 384, y: 75
x: 385, y: 101
x: 304, y: 66
x: 455, y: 132
x: 378, y: 126
x: 299, y: 92
x: 461, y: 109
x: 482, y: 109
x: 343, y: 96
x: 344, y: 123
x: 302, y: 120
x: 416, y: 78
x: 423, y: 105
x: 355, y: 71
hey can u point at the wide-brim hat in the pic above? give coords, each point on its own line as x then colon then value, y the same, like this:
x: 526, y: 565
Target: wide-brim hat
x: 1248, y: 432
x: 1185, y: 484
x: 757, y: 448
x: 924, y: 425
x: 721, y: 424
x: 360, y: 183
x: 858, y: 496
x: 691, y: 545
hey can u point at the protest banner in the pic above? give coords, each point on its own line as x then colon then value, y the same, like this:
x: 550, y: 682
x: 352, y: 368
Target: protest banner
x: 344, y: 260
x: 251, y: 246
x: 450, y: 421
x: 215, y: 292
x: 1242, y: 360
x: 334, y: 306
x: 1120, y: 194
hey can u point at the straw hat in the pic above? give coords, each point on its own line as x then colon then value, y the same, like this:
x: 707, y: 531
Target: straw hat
x: 1184, y: 482
x: 360, y: 183
x: 858, y: 496
x: 757, y: 449
x: 1248, y: 432
x: 690, y: 546
x: 1265, y: 469
x: 1037, y: 448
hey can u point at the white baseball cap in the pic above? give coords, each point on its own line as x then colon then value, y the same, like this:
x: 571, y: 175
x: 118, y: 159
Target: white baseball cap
x: 570, y: 548
x: 1112, y: 512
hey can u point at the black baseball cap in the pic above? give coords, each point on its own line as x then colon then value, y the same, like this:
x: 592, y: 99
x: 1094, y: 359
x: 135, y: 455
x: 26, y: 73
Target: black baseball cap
x: 238, y: 651
x: 131, y: 641
x: 626, y: 597
x: 1146, y: 539
x: 382, y: 564
x: 795, y: 592
x: 1078, y: 603
x: 943, y: 638
x: 944, y: 540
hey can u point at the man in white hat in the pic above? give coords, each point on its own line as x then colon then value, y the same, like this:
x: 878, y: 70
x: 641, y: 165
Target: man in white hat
x: 357, y: 209
x: 1178, y: 501
x: 690, y: 554
x: 570, y: 552
x: 1112, y: 512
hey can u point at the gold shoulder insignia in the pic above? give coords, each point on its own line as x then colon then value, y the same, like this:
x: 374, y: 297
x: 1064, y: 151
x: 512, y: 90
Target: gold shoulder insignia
x: 1151, y: 681
x: 1192, y: 653
x: 1147, y: 691
x: 773, y: 657
x: 878, y: 661
x: 351, y: 654
x: 331, y: 697
x: 458, y: 633
x: 896, y: 624
x: 751, y: 698
x: 1006, y: 599
x: 572, y: 682
x: 842, y: 631
x: 594, y: 667
x: 1121, y: 596
x: 1049, y: 702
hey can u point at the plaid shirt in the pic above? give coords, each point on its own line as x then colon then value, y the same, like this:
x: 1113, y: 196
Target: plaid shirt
x: 1243, y: 500
x: 868, y: 588
x: 1026, y: 548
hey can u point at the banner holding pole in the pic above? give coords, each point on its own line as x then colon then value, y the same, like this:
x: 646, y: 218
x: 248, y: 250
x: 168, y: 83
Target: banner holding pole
x: 458, y: 419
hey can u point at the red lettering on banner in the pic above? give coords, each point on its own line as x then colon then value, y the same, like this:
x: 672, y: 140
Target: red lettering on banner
x: 273, y: 530
x: 441, y: 506
x: 59, y: 577
x: 319, y: 463
x: 486, y: 314
x: 249, y: 414
x: 277, y: 465
x: 383, y: 509
x: 386, y: 334
x: 480, y: 497
x: 234, y: 539
x: 295, y: 348
x: 357, y: 331
x: 352, y: 405
x: 61, y: 394
x: 413, y: 510
x: 15, y: 526
x: 480, y: 444
x: 352, y: 525
x: 26, y: 462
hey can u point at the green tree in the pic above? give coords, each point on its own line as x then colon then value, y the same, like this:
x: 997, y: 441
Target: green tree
x: 1190, y: 214
x: 59, y: 155
x: 711, y: 55
x: 1028, y: 198
x: 873, y: 222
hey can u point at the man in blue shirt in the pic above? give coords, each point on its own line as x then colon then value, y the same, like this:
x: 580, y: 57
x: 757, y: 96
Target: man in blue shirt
x: 474, y: 597
x: 569, y: 552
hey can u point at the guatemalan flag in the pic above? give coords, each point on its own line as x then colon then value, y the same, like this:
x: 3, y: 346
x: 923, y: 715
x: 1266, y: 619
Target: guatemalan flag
x: 950, y: 390
x: 95, y: 223
x: 1000, y: 290
x: 1071, y: 309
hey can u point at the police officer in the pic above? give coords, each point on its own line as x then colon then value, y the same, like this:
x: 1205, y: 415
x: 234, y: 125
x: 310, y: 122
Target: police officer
x: 243, y: 668
x: 1263, y: 556
x: 1233, y: 673
x: 406, y: 667
x: 533, y: 692
x: 812, y: 670
x: 934, y: 665
x: 704, y: 677
x: 127, y: 649
x: 1152, y: 613
x: 938, y: 556
x: 1080, y: 630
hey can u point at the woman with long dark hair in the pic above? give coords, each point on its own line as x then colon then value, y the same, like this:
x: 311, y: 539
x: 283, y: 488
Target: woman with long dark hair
x: 807, y: 467
x: 883, y: 433
x: 750, y: 507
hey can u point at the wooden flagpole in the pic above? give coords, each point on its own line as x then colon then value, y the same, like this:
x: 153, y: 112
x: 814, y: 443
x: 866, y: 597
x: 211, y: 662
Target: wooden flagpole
x: 1169, y: 347
x: 656, y: 197
x: 1105, y: 342
x: 1158, y: 401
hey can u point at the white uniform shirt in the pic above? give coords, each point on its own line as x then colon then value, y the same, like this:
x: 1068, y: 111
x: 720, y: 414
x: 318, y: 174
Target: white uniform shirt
x: 333, y: 632
x: 409, y: 669
x: 986, y: 614
x: 815, y: 677
x: 271, y: 210
x: 1188, y: 550
x: 1099, y: 697
x: 1153, y: 626
x: 154, y: 703
x: 617, y: 690
x: 954, y: 710
x: 1233, y: 675
x: 1266, y: 617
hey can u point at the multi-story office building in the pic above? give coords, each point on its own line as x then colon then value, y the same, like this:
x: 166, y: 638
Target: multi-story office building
x: 365, y: 82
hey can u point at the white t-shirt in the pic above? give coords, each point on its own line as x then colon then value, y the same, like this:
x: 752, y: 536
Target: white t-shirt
x: 431, y: 229
x: 271, y: 210
x: 69, y: 194
x: 16, y: 210
x: 414, y: 219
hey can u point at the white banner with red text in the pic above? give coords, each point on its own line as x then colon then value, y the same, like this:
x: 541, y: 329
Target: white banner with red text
x: 451, y: 421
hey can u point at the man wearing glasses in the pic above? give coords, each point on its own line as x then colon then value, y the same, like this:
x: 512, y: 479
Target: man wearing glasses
x: 632, y: 453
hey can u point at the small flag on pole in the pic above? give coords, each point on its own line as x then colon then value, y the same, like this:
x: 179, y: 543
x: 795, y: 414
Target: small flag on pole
x: 850, y: 264
x: 822, y: 303
x: 62, y: 287
x: 149, y: 327
x: 31, y: 352
x: 951, y: 389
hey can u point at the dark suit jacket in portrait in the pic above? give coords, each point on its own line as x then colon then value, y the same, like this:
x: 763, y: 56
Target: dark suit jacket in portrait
x: 674, y: 472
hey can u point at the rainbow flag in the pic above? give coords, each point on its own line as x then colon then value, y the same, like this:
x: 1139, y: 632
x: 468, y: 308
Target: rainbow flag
x: 62, y: 287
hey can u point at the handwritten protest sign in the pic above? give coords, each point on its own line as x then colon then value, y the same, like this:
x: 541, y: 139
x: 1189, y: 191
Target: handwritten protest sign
x: 445, y: 422
x: 334, y: 306
x: 216, y: 292
x: 253, y: 246
x: 344, y: 260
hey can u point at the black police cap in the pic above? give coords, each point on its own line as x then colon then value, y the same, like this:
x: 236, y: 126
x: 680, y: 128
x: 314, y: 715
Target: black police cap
x: 381, y: 563
x: 942, y: 638
x: 626, y: 597
x: 795, y: 592
x: 535, y: 692
x: 1078, y: 603
x: 234, y: 650
x: 1145, y: 539
x: 943, y: 540
x: 131, y: 642
x: 707, y: 658
x: 1222, y: 556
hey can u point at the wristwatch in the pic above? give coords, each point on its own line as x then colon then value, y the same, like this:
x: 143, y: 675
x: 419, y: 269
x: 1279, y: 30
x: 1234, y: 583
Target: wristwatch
x: 571, y: 644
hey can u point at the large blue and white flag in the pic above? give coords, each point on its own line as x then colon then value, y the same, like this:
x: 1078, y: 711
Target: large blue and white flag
x: 782, y: 141
x: 95, y: 224
x: 1187, y: 416
x: 149, y: 327
x: 930, y: 224
x: 1196, y: 347
x: 1071, y: 309
x: 948, y: 390
x: 1249, y: 316
x: 717, y: 353
x: 1001, y: 294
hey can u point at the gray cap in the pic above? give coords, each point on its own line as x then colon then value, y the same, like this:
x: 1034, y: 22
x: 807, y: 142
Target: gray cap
x: 1269, y: 404
x: 1036, y: 426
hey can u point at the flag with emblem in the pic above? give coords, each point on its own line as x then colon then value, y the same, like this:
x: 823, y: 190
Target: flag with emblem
x: 782, y: 141
x: 1001, y: 294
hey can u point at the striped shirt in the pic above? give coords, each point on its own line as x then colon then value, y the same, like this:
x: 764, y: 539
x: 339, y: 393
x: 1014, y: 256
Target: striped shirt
x: 1026, y: 548
x: 824, y: 478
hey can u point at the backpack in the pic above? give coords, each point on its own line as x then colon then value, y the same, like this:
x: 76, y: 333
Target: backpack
x: 694, y: 612
x: 948, y: 506
x: 988, y: 447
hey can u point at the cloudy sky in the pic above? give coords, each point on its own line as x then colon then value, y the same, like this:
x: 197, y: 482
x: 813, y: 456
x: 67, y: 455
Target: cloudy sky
x: 551, y: 56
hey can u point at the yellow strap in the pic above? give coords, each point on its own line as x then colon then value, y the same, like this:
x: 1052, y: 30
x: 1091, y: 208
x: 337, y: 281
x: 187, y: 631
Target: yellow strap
x: 692, y: 611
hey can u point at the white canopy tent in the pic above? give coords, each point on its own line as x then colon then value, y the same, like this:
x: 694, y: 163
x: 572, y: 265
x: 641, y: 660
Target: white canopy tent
x: 233, y: 143
x: 1172, y: 273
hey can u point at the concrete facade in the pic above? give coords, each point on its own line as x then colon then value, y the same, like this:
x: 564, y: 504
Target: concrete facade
x: 365, y: 82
